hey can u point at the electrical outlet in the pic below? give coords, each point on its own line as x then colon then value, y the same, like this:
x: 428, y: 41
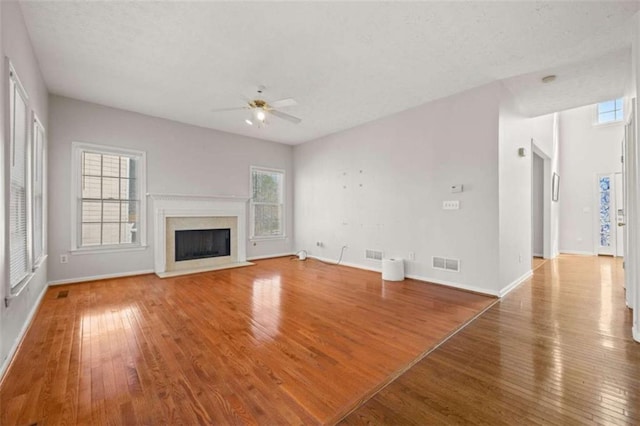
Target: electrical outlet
x: 319, y: 244
x: 64, y: 258
x: 412, y: 255
x: 451, y: 205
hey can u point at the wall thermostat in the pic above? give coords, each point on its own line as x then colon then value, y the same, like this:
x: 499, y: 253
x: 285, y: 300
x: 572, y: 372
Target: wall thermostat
x: 456, y: 188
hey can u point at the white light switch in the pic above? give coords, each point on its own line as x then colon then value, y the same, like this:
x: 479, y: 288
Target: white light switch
x: 451, y: 205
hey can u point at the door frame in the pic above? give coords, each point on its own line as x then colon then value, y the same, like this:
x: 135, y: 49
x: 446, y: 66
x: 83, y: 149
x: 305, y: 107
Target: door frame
x: 546, y: 202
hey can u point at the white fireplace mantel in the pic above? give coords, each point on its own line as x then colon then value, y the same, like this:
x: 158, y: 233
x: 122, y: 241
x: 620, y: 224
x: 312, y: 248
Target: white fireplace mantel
x: 187, y: 205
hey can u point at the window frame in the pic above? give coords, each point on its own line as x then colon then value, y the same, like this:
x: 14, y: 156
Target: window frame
x: 597, y: 113
x: 252, y: 204
x: 36, y: 123
x: 15, y: 85
x: 77, y: 148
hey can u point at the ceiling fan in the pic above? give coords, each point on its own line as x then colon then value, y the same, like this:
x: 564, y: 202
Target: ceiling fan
x: 261, y: 109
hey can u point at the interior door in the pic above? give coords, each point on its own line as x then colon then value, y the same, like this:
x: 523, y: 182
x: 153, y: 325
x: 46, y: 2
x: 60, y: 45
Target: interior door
x: 606, y: 215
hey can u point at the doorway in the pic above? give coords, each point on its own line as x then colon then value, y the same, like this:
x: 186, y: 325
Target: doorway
x: 537, y: 209
x: 609, y: 198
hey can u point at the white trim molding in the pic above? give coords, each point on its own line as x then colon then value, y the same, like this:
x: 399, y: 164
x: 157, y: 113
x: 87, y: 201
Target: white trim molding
x: 270, y: 256
x: 580, y: 253
x: 175, y: 205
x: 515, y: 283
x: 459, y: 286
x: 100, y: 277
x: 77, y: 148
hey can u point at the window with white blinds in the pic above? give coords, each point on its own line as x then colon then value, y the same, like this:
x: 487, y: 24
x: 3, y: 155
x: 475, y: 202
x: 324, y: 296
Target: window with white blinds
x: 267, y: 203
x: 19, y: 234
x: 110, y: 195
x: 38, y: 175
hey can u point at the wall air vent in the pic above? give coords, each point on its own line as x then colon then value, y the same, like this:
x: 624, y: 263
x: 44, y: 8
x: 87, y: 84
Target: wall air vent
x: 446, y: 264
x: 373, y: 254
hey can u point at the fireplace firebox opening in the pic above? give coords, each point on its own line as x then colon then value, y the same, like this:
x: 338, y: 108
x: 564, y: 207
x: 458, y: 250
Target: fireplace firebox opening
x: 202, y: 243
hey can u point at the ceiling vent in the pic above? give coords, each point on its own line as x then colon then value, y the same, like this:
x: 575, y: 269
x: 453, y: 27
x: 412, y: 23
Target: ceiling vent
x: 445, y: 264
x: 373, y: 254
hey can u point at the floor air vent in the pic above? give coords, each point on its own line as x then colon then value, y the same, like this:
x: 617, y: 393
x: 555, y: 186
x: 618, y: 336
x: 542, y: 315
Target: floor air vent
x: 373, y: 254
x: 62, y: 294
x: 445, y: 264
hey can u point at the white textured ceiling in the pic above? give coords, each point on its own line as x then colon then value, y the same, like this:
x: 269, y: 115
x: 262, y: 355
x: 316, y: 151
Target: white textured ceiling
x: 345, y: 63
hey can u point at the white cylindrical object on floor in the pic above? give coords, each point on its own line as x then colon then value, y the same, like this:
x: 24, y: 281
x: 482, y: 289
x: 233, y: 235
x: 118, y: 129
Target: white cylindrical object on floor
x: 392, y: 269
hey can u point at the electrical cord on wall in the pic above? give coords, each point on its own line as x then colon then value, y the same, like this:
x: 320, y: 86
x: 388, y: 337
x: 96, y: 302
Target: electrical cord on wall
x: 341, y: 254
x: 339, y: 259
x: 302, y: 255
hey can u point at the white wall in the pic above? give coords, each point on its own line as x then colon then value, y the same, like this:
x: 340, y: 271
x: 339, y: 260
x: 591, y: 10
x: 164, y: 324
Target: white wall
x: 585, y: 150
x: 538, y: 205
x: 181, y: 159
x: 381, y: 186
x: 514, y: 194
x: 632, y: 175
x: 17, y: 47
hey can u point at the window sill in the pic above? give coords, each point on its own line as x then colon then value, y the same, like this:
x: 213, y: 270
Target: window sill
x: 275, y: 238
x: 610, y: 124
x: 111, y: 249
x: 40, y: 262
x: 15, y: 291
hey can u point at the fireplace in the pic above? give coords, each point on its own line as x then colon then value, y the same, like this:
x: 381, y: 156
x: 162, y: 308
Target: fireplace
x: 202, y: 243
x: 196, y: 233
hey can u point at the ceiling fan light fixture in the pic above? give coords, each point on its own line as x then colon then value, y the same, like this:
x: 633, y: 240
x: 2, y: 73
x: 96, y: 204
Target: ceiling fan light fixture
x: 260, y: 115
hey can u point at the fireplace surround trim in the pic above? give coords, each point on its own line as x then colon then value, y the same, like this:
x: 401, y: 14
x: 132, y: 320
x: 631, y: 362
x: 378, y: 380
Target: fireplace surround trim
x: 179, y: 205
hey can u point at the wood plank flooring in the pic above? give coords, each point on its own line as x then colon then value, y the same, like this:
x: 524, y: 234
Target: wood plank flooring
x: 557, y: 350
x: 281, y: 342
x: 536, y: 262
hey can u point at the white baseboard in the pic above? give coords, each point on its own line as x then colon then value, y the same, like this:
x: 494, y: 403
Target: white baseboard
x: 582, y: 253
x: 100, y: 277
x: 349, y: 264
x: 453, y: 284
x: 415, y: 277
x: 23, y: 331
x: 515, y: 283
x: 270, y: 256
x: 538, y: 255
x: 636, y: 334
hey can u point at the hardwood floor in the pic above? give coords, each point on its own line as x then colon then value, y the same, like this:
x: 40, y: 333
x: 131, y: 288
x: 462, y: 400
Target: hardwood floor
x: 537, y: 262
x: 557, y: 350
x: 282, y: 342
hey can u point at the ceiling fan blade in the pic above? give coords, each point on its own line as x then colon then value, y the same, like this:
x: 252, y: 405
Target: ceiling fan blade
x: 229, y: 109
x: 283, y: 103
x: 285, y: 116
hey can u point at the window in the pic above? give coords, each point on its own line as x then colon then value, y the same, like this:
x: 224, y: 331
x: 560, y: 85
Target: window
x: 610, y: 111
x: 38, y: 207
x: 109, y: 197
x: 267, y: 203
x: 19, y: 233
